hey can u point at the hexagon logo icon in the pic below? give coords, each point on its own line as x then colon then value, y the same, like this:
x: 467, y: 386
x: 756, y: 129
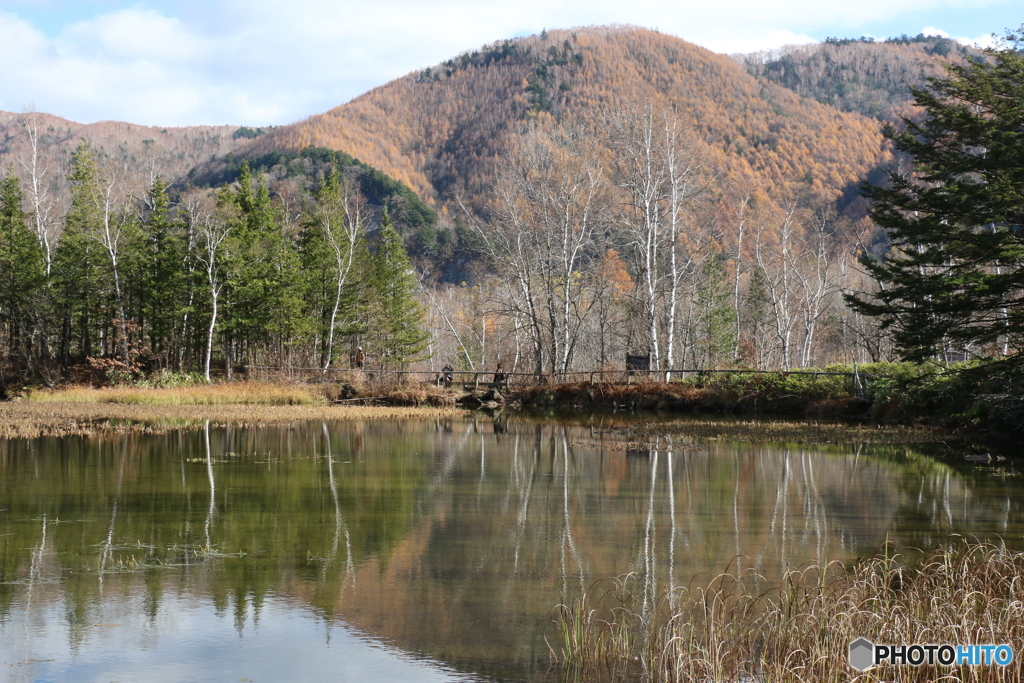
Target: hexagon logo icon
x: 862, y: 653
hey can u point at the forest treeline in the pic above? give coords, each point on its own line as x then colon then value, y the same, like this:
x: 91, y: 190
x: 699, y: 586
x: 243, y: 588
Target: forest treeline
x: 583, y: 195
x: 862, y: 75
x: 228, y: 276
x: 578, y: 258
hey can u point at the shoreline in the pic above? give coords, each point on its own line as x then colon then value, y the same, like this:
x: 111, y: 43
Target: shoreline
x: 29, y: 419
x: 53, y: 417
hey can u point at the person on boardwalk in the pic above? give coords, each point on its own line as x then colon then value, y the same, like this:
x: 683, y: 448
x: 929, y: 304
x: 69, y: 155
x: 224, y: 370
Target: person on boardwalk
x: 360, y: 357
x: 500, y: 378
x: 447, y: 374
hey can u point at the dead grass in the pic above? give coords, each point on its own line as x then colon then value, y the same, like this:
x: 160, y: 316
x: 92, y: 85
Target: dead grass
x: 962, y: 593
x: 230, y: 393
x: 25, y: 419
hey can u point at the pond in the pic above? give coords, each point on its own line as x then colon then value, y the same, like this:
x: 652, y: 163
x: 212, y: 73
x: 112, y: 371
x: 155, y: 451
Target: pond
x: 416, y: 550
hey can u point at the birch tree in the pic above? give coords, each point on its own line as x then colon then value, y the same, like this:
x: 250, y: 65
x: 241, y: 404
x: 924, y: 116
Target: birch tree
x: 212, y: 230
x: 336, y: 227
x: 37, y: 190
x: 660, y: 175
x: 540, y: 236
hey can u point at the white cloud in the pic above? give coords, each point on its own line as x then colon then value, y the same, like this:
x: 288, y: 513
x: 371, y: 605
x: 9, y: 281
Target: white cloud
x: 988, y: 40
x: 133, y: 34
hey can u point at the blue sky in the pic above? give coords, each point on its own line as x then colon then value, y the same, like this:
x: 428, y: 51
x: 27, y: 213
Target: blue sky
x: 267, y: 62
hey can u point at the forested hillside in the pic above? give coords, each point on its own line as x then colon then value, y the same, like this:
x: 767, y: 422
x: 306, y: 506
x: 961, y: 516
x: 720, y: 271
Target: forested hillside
x: 865, y: 76
x: 575, y: 196
x: 443, y: 130
x: 140, y: 151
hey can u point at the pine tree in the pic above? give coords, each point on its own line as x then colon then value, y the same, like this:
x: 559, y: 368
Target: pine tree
x: 162, y: 282
x: 953, y: 279
x: 264, y: 292
x: 77, y: 264
x: 22, y: 276
x: 716, y: 317
x: 395, y: 334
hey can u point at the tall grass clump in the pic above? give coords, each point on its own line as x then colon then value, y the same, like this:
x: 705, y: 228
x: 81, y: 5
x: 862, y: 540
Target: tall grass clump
x: 736, y: 629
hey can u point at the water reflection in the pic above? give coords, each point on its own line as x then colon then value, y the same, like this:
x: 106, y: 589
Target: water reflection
x: 451, y: 540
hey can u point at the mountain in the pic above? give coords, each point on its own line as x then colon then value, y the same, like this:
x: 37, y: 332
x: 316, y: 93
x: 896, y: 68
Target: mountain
x: 443, y: 130
x: 865, y: 76
x: 139, y: 152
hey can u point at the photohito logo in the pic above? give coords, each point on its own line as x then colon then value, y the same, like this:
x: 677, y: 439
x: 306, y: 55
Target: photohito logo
x: 864, y: 654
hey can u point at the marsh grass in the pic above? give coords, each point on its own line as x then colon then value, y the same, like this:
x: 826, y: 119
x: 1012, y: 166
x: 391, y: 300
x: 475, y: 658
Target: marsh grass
x: 25, y: 419
x: 231, y: 393
x: 736, y: 629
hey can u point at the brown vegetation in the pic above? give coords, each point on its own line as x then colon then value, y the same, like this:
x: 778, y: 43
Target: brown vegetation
x: 443, y: 131
x: 735, y: 629
x: 82, y: 411
x: 870, y: 78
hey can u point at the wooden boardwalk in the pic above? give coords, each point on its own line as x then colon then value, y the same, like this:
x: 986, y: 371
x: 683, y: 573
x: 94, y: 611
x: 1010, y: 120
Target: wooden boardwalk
x: 472, y: 379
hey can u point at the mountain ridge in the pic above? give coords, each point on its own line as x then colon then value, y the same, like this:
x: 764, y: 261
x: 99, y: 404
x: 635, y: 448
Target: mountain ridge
x: 443, y: 130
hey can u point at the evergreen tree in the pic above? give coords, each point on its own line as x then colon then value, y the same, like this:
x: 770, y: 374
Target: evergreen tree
x: 264, y: 292
x: 716, y: 317
x: 77, y: 263
x: 162, y: 278
x: 395, y: 334
x: 22, y: 275
x: 953, y: 279
x: 333, y: 249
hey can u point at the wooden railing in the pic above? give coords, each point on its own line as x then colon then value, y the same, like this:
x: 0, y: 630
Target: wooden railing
x: 477, y: 379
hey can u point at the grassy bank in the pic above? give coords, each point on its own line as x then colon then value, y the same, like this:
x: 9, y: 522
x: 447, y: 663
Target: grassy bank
x: 737, y: 630
x: 30, y: 419
x: 967, y: 396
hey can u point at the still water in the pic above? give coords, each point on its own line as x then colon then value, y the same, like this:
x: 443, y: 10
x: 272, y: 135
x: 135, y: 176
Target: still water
x: 416, y: 550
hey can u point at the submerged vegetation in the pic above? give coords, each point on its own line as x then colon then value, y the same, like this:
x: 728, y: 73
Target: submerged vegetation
x: 737, y: 629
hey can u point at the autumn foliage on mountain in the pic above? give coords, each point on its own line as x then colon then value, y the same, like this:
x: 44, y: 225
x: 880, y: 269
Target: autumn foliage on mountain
x: 580, y: 195
x: 861, y: 75
x: 141, y: 152
x: 442, y: 130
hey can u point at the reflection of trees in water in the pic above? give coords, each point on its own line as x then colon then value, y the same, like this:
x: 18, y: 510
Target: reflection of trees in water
x: 339, y: 521
x: 457, y: 540
x: 213, y: 486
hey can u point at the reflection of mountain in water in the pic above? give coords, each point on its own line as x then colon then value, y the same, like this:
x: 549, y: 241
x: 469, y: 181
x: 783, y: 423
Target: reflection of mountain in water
x: 445, y: 538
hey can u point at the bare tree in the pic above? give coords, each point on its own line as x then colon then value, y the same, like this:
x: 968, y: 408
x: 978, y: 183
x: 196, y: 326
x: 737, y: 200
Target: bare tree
x: 659, y: 173
x: 38, y: 191
x: 773, y: 246
x: 338, y: 214
x: 543, y: 225
x: 211, y: 230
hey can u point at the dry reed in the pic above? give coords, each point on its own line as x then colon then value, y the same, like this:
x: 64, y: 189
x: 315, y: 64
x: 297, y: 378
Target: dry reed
x: 962, y: 593
x: 25, y: 419
x: 229, y: 393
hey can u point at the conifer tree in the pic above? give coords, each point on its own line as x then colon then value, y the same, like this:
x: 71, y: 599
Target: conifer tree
x: 22, y: 274
x: 162, y: 279
x: 395, y: 334
x: 715, y: 315
x: 264, y: 293
x: 953, y: 280
x: 77, y: 270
